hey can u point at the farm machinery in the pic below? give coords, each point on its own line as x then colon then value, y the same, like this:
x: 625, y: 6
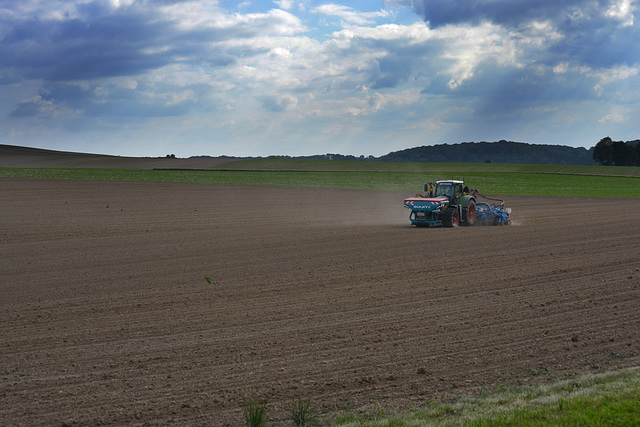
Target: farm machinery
x: 451, y: 203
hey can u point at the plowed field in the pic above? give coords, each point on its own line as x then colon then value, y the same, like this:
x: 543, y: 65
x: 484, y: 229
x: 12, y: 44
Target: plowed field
x: 107, y: 316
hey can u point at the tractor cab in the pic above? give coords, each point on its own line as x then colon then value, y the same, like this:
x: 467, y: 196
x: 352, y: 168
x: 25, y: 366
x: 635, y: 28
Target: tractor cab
x: 450, y: 189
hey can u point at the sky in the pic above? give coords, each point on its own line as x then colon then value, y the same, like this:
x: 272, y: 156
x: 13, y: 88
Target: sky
x: 303, y: 77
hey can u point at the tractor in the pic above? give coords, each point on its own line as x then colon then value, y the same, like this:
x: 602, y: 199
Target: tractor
x: 451, y: 203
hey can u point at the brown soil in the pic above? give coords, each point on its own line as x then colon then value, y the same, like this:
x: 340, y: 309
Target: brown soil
x: 106, y: 316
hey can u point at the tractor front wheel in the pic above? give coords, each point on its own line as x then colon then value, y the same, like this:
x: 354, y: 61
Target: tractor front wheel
x: 450, y: 217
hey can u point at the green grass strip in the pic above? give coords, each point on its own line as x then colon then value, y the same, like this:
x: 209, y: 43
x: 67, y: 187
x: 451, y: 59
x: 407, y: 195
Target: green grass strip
x: 272, y: 164
x: 609, y: 399
x: 619, y: 409
x: 526, y: 183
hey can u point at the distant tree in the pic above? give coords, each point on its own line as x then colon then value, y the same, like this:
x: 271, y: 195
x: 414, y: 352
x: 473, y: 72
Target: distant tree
x: 171, y: 156
x: 622, y: 153
x: 603, y: 153
x: 615, y: 153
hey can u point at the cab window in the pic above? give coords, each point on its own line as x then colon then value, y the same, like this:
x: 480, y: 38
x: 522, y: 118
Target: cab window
x: 444, y: 189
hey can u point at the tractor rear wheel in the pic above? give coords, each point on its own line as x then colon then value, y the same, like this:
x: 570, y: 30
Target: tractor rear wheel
x: 450, y: 217
x: 469, y: 214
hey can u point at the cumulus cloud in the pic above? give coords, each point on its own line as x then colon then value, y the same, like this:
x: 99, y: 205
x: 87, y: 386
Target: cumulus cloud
x: 378, y: 102
x: 70, y: 50
x: 623, y: 11
x: 285, y: 4
x: 617, y: 115
x: 594, y: 32
x: 349, y: 15
x: 279, y: 103
x: 37, y: 106
x: 506, y: 12
x: 128, y: 40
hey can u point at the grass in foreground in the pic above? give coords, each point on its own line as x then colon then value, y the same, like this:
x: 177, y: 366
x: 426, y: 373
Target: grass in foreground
x: 609, y: 399
x: 304, y: 413
x: 256, y: 412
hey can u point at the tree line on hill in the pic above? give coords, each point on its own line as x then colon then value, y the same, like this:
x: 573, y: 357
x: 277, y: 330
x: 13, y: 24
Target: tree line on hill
x: 617, y: 153
x: 480, y: 152
x: 606, y: 152
x: 494, y: 152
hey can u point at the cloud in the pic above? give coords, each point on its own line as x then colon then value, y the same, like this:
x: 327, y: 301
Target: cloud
x: 598, y: 33
x: 617, y: 115
x: 623, y: 11
x: 442, y: 59
x: 127, y: 40
x: 505, y: 12
x: 284, y: 4
x: 615, y: 74
x: 280, y: 103
x: 72, y: 50
x: 378, y: 102
x: 348, y: 14
x: 38, y: 107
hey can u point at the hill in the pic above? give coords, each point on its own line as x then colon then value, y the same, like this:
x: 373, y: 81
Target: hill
x: 494, y: 152
x: 27, y: 157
